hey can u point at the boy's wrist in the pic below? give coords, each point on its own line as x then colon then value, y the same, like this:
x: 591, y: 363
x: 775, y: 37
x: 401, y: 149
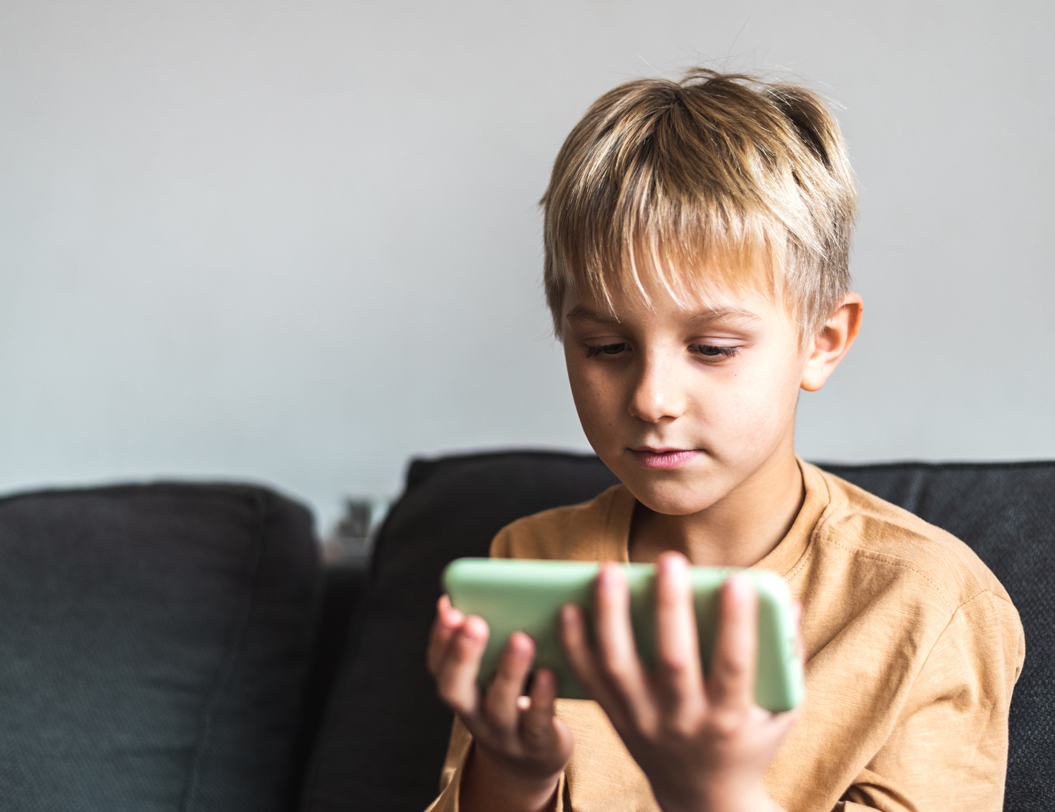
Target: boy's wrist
x: 490, y: 783
x: 754, y: 799
x: 719, y: 797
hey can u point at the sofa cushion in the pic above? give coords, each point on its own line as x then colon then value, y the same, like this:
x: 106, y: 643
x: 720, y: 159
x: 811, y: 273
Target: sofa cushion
x: 386, y: 733
x: 153, y: 641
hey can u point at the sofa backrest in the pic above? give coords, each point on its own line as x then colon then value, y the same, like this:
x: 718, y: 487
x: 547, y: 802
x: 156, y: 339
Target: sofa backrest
x: 153, y: 644
x: 385, y: 733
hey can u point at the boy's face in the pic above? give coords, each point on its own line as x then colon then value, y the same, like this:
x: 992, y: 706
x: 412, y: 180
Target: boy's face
x: 686, y: 404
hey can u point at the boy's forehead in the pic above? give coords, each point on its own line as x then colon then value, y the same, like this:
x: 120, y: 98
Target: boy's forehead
x: 716, y: 303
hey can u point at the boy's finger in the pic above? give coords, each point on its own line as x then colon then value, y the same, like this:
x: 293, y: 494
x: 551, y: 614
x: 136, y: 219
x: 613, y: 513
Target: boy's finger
x: 580, y: 656
x: 617, y: 660
x: 447, y: 621
x: 732, y: 679
x: 456, y: 674
x: 576, y: 646
x: 678, y: 674
x: 500, y: 703
x: 536, y: 722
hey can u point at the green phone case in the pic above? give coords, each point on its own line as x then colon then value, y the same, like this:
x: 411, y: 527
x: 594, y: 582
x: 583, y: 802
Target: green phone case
x: 518, y: 595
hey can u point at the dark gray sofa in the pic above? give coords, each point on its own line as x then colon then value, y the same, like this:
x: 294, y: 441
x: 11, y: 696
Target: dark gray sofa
x: 181, y: 647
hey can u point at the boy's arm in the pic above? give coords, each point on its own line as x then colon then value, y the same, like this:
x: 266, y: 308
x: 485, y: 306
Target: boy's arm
x: 701, y: 741
x: 948, y: 749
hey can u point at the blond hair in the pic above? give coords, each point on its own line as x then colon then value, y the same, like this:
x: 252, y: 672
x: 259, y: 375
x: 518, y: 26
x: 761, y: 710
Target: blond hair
x: 717, y: 182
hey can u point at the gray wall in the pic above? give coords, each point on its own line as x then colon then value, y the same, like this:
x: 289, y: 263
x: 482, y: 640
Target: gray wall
x: 299, y: 243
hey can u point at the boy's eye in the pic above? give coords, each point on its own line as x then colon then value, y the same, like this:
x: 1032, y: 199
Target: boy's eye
x: 606, y: 349
x: 712, y: 351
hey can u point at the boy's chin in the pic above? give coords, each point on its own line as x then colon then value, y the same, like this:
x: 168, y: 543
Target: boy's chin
x: 672, y: 499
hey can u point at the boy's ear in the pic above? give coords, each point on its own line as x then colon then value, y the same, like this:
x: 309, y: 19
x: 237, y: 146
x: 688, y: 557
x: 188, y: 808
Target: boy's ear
x: 827, y: 348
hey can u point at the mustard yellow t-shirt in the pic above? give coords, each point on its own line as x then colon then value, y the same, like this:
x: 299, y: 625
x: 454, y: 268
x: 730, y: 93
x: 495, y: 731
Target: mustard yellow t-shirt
x: 912, y: 649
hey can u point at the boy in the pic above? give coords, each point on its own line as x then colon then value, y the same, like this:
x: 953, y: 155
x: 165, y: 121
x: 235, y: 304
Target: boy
x: 697, y: 239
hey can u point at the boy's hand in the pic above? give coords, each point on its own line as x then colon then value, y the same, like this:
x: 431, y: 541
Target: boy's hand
x: 702, y: 742
x: 521, y: 748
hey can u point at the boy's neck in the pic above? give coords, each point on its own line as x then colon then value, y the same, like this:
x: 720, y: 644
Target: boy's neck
x: 738, y: 531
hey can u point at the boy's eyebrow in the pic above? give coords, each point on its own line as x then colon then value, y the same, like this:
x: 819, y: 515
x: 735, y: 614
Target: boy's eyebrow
x: 583, y: 313
x: 731, y: 312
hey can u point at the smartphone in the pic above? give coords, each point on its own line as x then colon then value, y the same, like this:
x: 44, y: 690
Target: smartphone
x: 520, y: 595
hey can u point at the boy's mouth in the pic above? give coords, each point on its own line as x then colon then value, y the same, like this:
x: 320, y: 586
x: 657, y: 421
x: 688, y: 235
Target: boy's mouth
x: 663, y: 458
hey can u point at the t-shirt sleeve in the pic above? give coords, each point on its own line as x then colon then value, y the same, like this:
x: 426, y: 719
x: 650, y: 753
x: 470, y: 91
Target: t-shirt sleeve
x: 453, y: 766
x: 948, y: 749
x: 501, y: 544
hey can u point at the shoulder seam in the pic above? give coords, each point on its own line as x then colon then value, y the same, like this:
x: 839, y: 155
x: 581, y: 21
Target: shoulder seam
x: 952, y: 617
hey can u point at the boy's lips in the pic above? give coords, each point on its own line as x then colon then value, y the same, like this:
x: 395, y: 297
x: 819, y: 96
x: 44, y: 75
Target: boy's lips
x: 663, y: 458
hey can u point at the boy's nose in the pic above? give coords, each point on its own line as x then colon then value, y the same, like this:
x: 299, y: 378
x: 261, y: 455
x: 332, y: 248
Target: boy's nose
x: 656, y: 395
